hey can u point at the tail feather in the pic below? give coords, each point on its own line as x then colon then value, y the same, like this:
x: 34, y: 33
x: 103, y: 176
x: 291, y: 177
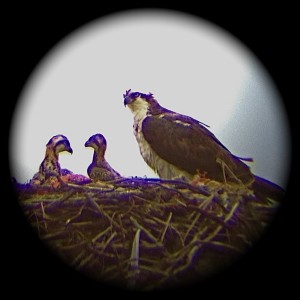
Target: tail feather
x: 264, y: 188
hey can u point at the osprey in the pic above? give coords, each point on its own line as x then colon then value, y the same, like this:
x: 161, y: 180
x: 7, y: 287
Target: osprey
x: 100, y: 169
x: 176, y: 146
x: 50, y: 169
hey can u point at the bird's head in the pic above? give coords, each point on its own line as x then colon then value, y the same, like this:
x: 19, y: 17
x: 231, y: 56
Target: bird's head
x: 59, y: 143
x: 139, y: 103
x: 96, y: 141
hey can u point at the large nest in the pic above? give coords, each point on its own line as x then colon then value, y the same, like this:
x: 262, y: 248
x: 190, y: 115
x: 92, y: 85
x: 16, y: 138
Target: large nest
x: 145, y: 234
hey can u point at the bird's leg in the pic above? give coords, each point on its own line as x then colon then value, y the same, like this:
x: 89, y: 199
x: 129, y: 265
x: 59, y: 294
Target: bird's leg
x: 56, y: 181
x: 226, y: 168
x: 199, y: 178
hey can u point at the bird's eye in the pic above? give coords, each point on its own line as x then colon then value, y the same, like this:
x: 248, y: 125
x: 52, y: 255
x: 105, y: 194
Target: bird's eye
x: 135, y: 95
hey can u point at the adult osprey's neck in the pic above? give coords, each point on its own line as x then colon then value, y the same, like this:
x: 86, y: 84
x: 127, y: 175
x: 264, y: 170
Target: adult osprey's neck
x: 141, y: 108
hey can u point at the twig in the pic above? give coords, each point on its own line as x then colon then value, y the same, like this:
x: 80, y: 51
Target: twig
x: 191, y: 226
x: 84, y: 261
x: 77, y: 215
x: 58, y: 202
x: 147, y: 232
x: 99, y: 235
x: 134, y: 260
x: 104, y: 245
x: 189, y: 259
x: 166, y: 227
x: 99, y: 208
x: 232, y: 211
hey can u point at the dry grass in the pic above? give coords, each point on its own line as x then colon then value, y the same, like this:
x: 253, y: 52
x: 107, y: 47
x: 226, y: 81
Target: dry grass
x: 146, y: 234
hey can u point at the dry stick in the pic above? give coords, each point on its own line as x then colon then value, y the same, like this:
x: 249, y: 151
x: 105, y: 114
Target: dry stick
x: 121, y: 226
x: 108, y: 241
x: 38, y: 225
x: 199, y: 244
x: 72, y: 246
x: 178, y: 256
x: 166, y: 227
x: 110, y: 272
x: 153, y: 221
x: 151, y: 246
x: 77, y: 215
x: 181, y: 203
x: 185, y: 185
x: 65, y: 197
x: 211, y: 236
x: 134, y: 259
x: 209, y: 215
x: 155, y: 226
x: 84, y: 261
x: 218, y: 243
x: 45, y: 216
x: 94, y: 187
x: 175, y: 190
x: 206, y: 202
x: 178, y: 233
x: 101, y: 234
x: 196, y: 242
x: 162, y: 183
x: 53, y: 235
x: 180, y: 185
x: 150, y: 201
x: 188, y: 263
x: 154, y: 270
x: 128, y: 210
x: 225, y: 166
x: 191, y: 227
x: 102, y: 212
x: 147, y: 232
x: 232, y: 211
x: 83, y: 223
x: 78, y: 258
x: 209, y: 239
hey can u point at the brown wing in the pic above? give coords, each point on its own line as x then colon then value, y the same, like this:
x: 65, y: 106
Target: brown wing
x: 103, y: 173
x: 193, y: 148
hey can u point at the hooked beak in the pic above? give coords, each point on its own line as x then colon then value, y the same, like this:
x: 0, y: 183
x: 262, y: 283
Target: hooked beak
x: 70, y: 150
x: 67, y: 147
x: 87, y: 143
x: 127, y: 100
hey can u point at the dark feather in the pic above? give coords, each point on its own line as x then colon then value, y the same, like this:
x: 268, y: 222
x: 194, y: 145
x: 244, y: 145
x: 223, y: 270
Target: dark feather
x: 266, y: 189
x: 193, y: 148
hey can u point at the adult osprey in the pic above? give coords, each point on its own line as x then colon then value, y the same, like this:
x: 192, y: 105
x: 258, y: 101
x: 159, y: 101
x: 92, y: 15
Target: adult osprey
x: 176, y: 146
x: 100, y: 169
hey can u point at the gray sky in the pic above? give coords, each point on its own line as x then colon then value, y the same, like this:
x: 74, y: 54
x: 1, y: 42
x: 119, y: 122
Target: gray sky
x: 191, y: 66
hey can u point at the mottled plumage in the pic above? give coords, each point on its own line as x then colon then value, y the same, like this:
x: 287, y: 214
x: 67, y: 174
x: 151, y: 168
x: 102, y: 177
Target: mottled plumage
x: 50, y: 168
x: 100, y: 169
x: 176, y: 146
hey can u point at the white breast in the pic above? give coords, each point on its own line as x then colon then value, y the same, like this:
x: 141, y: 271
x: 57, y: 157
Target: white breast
x: 164, y: 169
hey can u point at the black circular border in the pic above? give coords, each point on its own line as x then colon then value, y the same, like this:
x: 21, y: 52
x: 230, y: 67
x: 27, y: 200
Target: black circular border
x: 31, y: 33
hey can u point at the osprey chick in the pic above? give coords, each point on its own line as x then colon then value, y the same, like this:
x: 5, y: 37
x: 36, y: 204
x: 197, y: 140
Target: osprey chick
x: 176, y: 146
x: 50, y: 170
x: 100, y: 169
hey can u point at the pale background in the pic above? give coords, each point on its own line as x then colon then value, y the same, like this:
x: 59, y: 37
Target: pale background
x: 190, y: 65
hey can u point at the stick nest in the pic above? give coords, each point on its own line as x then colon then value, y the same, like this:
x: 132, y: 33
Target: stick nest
x: 146, y: 234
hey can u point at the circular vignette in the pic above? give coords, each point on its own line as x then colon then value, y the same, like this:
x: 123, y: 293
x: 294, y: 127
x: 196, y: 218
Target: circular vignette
x: 55, y: 49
